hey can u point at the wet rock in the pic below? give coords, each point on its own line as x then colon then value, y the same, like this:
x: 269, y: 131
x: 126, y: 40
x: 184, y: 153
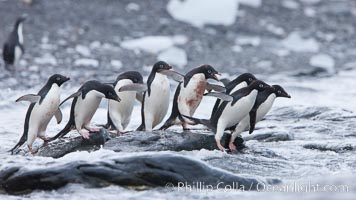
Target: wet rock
x: 63, y: 146
x: 164, y: 140
x: 151, y: 170
x: 137, y: 141
x: 270, y: 136
x: 338, y: 148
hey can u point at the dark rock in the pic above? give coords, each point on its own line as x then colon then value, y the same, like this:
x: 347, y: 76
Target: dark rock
x: 63, y: 146
x: 137, y: 141
x: 270, y: 136
x: 134, y: 171
x: 161, y: 141
x: 338, y: 148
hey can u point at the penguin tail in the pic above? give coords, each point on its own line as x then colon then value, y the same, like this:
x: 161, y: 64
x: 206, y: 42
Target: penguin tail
x: 195, y: 121
x: 19, y: 144
x: 63, y: 132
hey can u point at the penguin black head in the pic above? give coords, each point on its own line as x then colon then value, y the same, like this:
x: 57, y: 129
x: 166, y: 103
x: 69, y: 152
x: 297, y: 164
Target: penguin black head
x: 161, y: 66
x: 134, y: 76
x: 259, y: 85
x: 247, y: 77
x: 280, y: 92
x: 58, y: 79
x: 208, y: 71
x: 109, y: 92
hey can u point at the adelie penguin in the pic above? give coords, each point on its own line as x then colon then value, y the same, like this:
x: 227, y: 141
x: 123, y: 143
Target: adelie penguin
x: 240, y: 82
x: 189, y: 94
x: 126, y: 86
x: 84, y: 105
x: 231, y: 113
x: 43, y: 107
x: 155, y: 100
x: 263, y: 104
x: 13, y: 48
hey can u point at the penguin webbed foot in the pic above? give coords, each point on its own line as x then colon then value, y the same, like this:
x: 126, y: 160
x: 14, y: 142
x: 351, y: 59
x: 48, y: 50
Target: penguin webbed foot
x: 84, y: 133
x: 219, y: 145
x: 31, y: 150
x: 232, y: 146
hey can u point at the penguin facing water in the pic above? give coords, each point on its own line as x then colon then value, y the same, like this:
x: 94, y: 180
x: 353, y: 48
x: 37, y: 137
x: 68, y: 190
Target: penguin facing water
x: 84, y: 105
x: 189, y: 94
x: 126, y: 86
x: 13, y: 48
x: 263, y: 104
x: 43, y: 107
x: 155, y: 100
x: 241, y: 81
x: 231, y: 113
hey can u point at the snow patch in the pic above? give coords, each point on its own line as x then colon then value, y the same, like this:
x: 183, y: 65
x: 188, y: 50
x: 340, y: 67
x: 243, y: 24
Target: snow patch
x: 202, y: 12
x: 248, y: 40
x: 86, y: 62
x: 290, y: 4
x: 251, y: 3
x: 132, y: 7
x: 116, y: 64
x: 46, y: 59
x: 83, y: 50
x: 154, y: 44
x: 296, y: 43
x: 324, y: 61
x: 175, y: 56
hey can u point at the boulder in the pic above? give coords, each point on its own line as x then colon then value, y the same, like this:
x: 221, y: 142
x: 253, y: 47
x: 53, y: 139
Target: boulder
x: 138, y: 171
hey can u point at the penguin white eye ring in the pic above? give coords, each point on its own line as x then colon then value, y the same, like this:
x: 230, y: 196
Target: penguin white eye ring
x: 250, y: 79
x: 209, y: 71
x: 261, y: 85
x: 279, y: 92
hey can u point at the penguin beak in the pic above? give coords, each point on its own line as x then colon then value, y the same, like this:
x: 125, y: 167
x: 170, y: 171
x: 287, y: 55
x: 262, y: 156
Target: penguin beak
x: 216, y: 76
x: 117, y: 98
x: 67, y: 79
x: 288, y: 96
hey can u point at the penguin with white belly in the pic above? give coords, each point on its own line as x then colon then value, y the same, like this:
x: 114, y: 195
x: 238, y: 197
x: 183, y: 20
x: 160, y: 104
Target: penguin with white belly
x: 85, y: 103
x: 155, y: 100
x: 189, y: 94
x: 13, y: 48
x: 231, y: 113
x: 126, y: 86
x: 263, y: 104
x: 43, y: 107
x: 241, y: 81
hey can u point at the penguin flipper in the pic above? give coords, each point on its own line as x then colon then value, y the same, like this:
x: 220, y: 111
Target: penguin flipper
x: 58, y: 115
x: 136, y: 87
x: 175, y: 75
x: 215, y: 108
x: 71, y: 96
x: 222, y: 96
x: 196, y: 121
x: 33, y: 98
x: 139, y: 97
x: 252, y: 120
x: 214, y: 87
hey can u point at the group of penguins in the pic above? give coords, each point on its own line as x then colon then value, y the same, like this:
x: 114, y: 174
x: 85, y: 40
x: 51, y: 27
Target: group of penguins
x: 240, y: 104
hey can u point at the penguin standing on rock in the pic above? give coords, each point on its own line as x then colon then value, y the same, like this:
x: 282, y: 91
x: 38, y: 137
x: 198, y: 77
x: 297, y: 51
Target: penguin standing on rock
x: 241, y: 81
x: 231, y: 113
x: 189, y: 94
x: 263, y: 104
x: 13, y: 48
x: 126, y: 86
x: 85, y: 103
x: 155, y: 100
x: 43, y: 107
